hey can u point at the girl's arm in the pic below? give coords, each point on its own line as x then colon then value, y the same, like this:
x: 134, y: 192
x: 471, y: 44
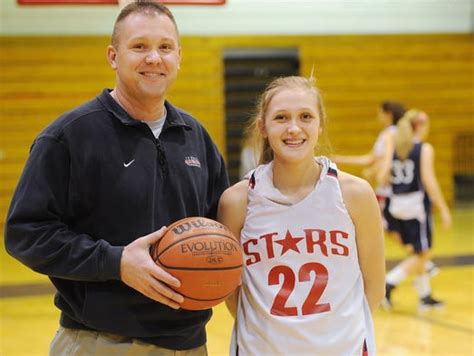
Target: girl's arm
x: 364, y: 210
x: 231, y: 212
x: 382, y: 176
x: 430, y: 183
x: 360, y: 160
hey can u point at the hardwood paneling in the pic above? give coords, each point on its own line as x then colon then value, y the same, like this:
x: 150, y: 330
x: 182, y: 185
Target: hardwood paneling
x: 41, y: 77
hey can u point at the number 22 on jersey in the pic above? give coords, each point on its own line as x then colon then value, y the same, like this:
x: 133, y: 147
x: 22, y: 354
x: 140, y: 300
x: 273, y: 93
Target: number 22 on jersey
x: 310, y: 304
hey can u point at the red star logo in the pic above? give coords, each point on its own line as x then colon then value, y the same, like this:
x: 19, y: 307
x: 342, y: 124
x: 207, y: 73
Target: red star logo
x: 289, y: 243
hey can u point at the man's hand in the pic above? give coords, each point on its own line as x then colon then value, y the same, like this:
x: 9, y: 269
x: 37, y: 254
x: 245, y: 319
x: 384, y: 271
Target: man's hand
x: 139, y: 271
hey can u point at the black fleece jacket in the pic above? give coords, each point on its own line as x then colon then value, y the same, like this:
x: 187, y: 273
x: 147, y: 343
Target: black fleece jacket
x: 96, y: 179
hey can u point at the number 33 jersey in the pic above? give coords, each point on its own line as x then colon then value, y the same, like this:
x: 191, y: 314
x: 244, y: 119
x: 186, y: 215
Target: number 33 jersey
x: 302, y: 291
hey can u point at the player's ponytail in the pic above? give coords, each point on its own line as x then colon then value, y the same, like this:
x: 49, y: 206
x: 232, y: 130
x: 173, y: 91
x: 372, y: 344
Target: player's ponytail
x: 405, y: 134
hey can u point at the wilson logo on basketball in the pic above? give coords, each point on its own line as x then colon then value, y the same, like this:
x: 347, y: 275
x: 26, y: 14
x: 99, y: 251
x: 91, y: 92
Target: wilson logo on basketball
x: 199, y: 223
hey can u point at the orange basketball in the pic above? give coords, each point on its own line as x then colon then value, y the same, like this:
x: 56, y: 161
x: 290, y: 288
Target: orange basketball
x: 205, y: 256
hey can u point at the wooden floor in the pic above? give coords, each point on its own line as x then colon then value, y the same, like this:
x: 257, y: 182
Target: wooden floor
x: 28, y: 322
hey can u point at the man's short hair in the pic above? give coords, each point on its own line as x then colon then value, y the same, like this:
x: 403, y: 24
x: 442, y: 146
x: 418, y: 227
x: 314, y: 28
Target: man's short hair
x: 145, y: 7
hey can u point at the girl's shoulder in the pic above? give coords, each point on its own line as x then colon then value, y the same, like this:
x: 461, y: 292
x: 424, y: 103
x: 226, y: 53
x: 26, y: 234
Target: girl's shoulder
x: 235, y: 196
x: 233, y: 206
x: 354, y: 189
x: 358, y: 195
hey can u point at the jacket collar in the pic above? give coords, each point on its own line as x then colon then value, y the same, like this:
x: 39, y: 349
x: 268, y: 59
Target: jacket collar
x: 173, y: 117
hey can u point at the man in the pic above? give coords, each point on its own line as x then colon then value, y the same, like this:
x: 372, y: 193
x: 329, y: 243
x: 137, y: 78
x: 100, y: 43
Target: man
x: 100, y: 183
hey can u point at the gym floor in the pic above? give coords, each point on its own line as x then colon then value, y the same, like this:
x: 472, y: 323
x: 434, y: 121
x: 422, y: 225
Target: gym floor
x: 28, y: 318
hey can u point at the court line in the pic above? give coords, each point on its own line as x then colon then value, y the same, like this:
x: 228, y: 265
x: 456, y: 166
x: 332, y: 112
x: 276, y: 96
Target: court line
x: 433, y: 321
x: 29, y: 289
x: 442, y: 261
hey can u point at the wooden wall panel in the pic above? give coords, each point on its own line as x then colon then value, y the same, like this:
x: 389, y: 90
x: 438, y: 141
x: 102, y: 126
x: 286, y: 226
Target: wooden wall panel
x: 41, y: 77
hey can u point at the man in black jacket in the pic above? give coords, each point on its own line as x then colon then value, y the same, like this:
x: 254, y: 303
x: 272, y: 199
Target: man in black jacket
x: 101, y: 182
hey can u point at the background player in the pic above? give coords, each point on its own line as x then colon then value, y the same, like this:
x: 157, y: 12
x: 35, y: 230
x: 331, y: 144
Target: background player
x: 415, y: 188
x: 389, y: 113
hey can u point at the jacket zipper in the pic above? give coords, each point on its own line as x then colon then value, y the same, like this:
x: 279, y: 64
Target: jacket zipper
x: 162, y: 163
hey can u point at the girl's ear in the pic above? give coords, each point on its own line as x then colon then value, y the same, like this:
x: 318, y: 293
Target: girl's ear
x: 261, y: 128
x: 320, y: 125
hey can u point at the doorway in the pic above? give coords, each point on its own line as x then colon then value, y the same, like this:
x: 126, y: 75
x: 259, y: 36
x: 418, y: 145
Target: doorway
x: 247, y: 72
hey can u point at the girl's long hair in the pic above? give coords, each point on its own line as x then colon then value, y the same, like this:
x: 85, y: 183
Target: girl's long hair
x: 405, y: 133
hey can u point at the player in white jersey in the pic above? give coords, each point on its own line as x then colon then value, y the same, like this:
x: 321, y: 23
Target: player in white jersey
x: 415, y: 187
x: 312, y: 238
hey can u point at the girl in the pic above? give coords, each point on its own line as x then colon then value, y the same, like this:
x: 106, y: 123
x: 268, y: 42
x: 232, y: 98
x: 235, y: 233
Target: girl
x: 415, y: 188
x: 389, y: 113
x: 312, y: 238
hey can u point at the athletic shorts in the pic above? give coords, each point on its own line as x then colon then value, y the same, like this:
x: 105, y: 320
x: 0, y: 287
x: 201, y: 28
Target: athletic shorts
x: 389, y: 222
x: 416, y: 233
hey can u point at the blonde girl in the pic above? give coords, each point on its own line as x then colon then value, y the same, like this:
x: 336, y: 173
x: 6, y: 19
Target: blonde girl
x: 312, y: 238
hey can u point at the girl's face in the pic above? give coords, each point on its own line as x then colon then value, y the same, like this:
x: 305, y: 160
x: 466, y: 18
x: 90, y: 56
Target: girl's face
x: 292, y: 124
x: 385, y: 117
x: 422, y: 126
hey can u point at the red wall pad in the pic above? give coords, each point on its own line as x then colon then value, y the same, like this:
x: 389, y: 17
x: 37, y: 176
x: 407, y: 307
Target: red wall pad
x: 114, y: 2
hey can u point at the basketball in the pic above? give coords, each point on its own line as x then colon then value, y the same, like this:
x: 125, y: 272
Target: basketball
x: 205, y: 256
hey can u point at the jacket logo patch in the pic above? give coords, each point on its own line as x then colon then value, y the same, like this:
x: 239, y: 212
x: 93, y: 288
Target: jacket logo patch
x: 126, y: 165
x: 192, y: 161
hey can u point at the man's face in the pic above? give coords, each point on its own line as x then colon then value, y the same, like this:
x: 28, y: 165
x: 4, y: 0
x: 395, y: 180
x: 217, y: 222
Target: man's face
x: 146, y: 57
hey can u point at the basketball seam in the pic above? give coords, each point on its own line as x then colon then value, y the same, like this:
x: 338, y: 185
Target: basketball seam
x: 207, y: 300
x: 202, y: 268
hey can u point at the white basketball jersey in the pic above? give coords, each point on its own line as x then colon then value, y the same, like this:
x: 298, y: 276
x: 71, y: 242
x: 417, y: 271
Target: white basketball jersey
x: 379, y: 152
x: 302, y: 290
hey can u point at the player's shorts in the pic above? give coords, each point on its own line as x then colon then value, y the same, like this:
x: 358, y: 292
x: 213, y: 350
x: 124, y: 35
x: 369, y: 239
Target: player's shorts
x: 389, y: 222
x: 416, y: 233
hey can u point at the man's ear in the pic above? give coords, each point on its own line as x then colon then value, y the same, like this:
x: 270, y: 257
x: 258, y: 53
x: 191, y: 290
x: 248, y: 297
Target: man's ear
x: 112, y: 56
